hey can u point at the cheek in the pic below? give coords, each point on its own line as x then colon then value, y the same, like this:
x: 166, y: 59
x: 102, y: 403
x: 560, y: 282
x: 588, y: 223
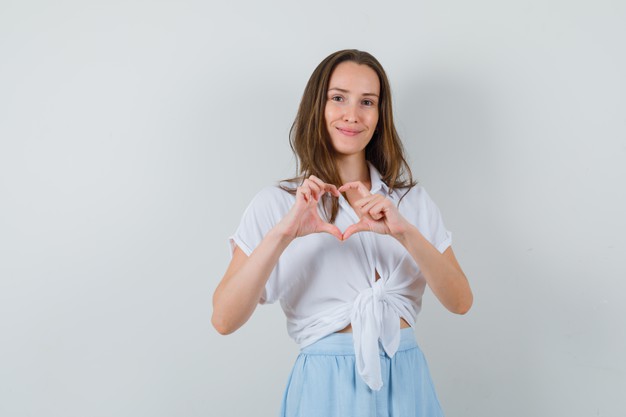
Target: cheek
x: 328, y: 117
x: 330, y: 113
x: 374, y: 119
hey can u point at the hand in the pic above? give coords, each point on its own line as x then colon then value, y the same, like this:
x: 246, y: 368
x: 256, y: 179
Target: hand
x: 377, y: 213
x: 303, y: 218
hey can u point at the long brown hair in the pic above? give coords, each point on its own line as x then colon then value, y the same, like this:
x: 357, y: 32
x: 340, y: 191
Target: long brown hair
x: 310, y: 141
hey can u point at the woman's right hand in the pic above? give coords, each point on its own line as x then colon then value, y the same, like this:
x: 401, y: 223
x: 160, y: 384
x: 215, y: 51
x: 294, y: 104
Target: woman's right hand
x: 304, y: 218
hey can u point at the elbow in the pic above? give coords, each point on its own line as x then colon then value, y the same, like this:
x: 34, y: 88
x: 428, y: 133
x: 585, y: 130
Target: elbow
x: 219, y: 318
x: 462, y: 309
x: 221, y: 325
x: 464, y: 306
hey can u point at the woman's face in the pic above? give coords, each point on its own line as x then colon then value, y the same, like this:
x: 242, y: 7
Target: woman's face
x: 351, y: 110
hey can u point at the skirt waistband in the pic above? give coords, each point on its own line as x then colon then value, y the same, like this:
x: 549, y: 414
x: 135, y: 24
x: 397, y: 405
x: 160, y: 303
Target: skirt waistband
x: 343, y: 344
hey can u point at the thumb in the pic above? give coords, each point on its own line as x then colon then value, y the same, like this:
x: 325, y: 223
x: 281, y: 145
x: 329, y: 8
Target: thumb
x: 355, y: 228
x: 332, y: 229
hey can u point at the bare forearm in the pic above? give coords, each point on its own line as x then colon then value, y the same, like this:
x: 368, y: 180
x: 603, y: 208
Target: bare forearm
x: 237, y: 296
x: 442, y: 273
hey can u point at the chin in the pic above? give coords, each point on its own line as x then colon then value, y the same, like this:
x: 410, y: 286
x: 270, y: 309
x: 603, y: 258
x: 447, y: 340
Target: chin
x: 348, y: 152
x: 348, y: 148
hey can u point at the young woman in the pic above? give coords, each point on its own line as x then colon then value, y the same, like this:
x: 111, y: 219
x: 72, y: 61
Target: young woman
x: 347, y: 247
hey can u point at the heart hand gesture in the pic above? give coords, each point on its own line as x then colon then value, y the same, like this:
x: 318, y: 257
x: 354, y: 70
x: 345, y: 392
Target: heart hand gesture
x: 377, y: 213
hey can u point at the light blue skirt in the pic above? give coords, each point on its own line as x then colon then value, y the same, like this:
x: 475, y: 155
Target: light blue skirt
x: 324, y: 382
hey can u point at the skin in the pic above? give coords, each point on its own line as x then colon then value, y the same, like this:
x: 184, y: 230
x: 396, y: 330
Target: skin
x: 351, y: 114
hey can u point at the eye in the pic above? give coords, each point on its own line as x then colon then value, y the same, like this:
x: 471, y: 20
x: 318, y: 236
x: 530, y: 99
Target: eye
x: 368, y: 102
x: 336, y: 98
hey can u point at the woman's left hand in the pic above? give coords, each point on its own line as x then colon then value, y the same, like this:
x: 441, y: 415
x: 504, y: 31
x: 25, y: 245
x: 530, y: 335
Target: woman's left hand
x: 377, y: 213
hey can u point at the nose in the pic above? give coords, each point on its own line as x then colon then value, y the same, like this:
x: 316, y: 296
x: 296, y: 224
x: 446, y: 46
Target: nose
x: 350, y: 114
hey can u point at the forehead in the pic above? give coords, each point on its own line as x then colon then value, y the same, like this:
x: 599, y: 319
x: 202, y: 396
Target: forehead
x: 355, y: 78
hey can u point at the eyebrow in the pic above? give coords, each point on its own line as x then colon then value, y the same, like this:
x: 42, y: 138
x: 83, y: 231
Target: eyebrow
x: 341, y: 90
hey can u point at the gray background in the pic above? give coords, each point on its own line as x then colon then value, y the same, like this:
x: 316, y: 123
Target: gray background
x: 134, y: 133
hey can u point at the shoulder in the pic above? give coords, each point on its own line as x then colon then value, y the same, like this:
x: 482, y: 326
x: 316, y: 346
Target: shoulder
x: 270, y: 193
x: 414, y: 195
x: 277, y: 193
x: 415, y: 199
x: 271, y: 199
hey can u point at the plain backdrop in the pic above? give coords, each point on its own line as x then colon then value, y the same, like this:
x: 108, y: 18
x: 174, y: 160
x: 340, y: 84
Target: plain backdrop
x: 134, y: 133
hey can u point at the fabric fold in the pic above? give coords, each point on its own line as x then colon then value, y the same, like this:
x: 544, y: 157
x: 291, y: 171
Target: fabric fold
x: 374, y: 317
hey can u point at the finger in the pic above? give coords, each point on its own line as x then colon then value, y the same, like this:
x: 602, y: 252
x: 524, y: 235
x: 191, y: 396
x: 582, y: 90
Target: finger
x: 315, y: 189
x: 374, y: 205
x: 332, y: 229
x: 370, y: 200
x: 331, y: 188
x: 305, y: 192
x: 300, y: 197
x: 355, y: 228
x: 363, y: 206
x: 355, y: 185
x: 309, y: 190
x: 378, y: 210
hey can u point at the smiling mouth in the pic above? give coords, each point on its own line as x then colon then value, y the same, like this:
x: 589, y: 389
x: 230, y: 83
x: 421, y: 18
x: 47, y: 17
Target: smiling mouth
x: 349, y: 132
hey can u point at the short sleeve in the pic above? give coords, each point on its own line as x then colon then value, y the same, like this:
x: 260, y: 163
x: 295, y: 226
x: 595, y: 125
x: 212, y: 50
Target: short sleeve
x: 427, y: 218
x: 440, y: 236
x: 261, y: 215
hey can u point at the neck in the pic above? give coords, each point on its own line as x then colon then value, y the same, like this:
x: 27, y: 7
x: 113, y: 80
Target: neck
x: 354, y: 169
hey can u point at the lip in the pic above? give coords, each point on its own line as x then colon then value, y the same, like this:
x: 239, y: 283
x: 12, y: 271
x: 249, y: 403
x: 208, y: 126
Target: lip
x: 348, y: 132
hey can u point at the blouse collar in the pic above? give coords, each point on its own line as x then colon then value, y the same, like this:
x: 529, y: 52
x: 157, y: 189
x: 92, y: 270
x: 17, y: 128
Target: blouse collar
x: 377, y: 181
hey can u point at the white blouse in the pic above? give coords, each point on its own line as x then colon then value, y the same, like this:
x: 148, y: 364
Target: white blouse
x: 324, y: 284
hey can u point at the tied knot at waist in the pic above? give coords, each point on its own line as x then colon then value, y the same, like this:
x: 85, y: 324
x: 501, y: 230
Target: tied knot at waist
x: 378, y: 291
x: 375, y: 316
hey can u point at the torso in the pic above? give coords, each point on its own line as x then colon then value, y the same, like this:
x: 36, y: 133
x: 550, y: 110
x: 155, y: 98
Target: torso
x: 315, y: 307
